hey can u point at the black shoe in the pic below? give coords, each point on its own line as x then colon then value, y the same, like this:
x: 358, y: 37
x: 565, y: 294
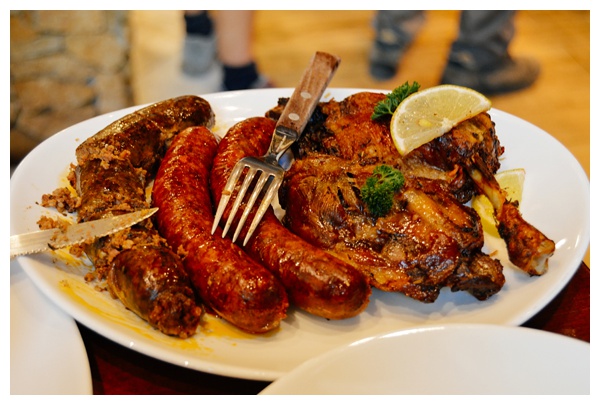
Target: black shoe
x: 384, y: 60
x: 509, y: 75
x: 263, y: 82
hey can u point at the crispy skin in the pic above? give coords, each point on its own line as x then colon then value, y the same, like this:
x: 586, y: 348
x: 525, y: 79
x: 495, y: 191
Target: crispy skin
x: 315, y: 281
x: 481, y: 277
x: 350, y: 134
x: 471, y: 142
x: 428, y: 241
x: 236, y: 287
x: 412, y: 250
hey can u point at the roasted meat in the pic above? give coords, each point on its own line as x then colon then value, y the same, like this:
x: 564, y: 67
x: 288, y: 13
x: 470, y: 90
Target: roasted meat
x: 414, y: 249
x: 473, y: 147
x: 430, y: 239
x: 528, y: 248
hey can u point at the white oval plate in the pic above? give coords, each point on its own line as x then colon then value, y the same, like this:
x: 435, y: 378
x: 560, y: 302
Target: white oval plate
x: 447, y: 360
x: 47, y: 355
x: 220, y: 348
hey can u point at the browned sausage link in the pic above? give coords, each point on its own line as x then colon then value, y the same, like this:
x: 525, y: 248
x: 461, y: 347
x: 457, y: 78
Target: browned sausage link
x: 114, y: 167
x: 143, y: 133
x: 116, y: 163
x: 316, y: 281
x: 152, y: 283
x: 104, y: 250
x: 236, y: 287
x: 180, y: 189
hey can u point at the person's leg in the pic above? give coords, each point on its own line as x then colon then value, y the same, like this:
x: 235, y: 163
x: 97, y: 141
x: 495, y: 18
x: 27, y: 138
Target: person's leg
x: 234, y: 44
x: 479, y: 57
x: 394, y: 32
x: 199, y: 47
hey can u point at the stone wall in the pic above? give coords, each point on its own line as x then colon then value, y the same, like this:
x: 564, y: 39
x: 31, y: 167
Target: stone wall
x: 65, y: 67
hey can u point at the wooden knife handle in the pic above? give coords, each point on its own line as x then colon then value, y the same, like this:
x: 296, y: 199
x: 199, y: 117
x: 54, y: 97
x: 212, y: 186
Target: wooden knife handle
x: 308, y: 93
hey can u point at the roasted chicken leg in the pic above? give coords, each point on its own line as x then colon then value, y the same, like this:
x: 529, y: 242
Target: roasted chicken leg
x: 470, y: 146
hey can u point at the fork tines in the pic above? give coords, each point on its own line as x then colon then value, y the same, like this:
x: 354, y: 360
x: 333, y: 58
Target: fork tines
x: 288, y: 129
x: 268, y: 175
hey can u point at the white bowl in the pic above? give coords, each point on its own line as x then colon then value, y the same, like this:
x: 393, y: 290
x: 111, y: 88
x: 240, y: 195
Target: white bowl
x: 447, y: 359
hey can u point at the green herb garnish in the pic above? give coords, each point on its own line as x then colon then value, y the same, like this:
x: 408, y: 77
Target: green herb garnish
x: 379, y: 189
x: 393, y: 99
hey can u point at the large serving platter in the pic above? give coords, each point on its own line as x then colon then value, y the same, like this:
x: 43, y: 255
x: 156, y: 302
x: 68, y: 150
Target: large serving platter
x: 562, y: 213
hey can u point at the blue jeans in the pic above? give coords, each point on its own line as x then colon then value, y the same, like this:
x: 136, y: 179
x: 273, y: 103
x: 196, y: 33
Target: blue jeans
x: 482, y: 41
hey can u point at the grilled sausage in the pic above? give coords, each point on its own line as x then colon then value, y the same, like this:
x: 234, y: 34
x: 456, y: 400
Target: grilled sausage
x: 315, y: 281
x: 236, y: 287
x: 152, y: 282
x: 143, y: 134
x: 116, y: 163
x: 114, y: 167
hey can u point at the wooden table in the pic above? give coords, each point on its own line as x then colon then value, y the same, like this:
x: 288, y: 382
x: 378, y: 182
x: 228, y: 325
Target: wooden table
x: 119, y: 370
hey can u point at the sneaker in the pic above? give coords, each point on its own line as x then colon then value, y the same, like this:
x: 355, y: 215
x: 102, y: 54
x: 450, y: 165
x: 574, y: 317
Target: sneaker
x: 199, y: 54
x: 509, y: 75
x: 384, y: 60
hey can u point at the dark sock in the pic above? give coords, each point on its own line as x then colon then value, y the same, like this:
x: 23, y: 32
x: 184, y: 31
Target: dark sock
x: 239, y: 78
x: 198, y: 24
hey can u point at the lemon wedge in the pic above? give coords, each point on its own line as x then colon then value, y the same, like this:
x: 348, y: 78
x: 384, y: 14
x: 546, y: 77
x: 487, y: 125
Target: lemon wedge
x: 512, y: 182
x: 432, y: 112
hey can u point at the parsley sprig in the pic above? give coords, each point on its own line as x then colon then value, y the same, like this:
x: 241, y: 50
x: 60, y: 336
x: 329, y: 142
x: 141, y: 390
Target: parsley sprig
x: 380, y: 188
x: 393, y: 99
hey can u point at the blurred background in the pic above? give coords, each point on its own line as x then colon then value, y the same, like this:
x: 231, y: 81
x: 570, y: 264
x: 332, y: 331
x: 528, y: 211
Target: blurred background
x: 68, y: 66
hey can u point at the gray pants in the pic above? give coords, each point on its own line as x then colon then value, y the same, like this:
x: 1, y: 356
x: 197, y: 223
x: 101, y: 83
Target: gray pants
x: 483, y: 37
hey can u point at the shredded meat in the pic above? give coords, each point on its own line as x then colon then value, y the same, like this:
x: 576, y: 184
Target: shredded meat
x: 62, y: 200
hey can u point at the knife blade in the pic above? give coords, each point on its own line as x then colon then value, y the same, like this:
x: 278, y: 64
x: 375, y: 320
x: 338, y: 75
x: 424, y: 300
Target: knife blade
x: 56, y: 238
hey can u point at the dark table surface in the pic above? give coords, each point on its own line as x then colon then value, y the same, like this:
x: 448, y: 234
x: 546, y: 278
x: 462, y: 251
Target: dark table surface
x: 119, y: 370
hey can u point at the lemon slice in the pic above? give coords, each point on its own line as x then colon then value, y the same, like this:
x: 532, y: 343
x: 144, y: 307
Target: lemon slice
x: 512, y: 182
x: 432, y: 112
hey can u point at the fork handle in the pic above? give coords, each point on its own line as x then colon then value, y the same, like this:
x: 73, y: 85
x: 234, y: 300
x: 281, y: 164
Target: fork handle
x: 307, y: 94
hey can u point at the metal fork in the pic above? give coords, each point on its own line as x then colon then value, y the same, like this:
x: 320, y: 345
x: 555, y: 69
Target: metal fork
x: 289, y: 127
